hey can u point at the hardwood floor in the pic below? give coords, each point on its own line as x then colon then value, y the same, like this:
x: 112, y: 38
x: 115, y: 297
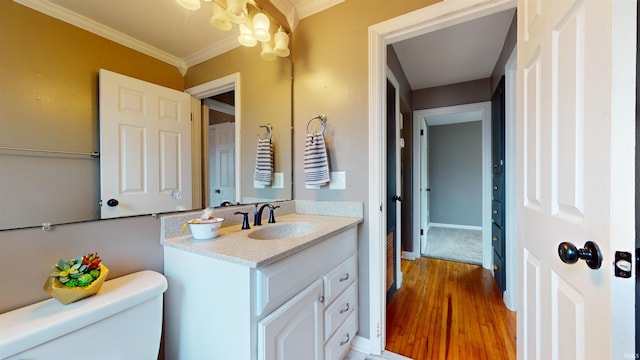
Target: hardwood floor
x: 449, y: 310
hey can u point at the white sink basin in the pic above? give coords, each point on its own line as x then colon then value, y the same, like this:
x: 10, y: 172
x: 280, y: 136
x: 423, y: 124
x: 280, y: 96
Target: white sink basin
x: 282, y: 231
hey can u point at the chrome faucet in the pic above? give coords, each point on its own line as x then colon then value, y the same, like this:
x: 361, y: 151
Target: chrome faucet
x: 257, y: 220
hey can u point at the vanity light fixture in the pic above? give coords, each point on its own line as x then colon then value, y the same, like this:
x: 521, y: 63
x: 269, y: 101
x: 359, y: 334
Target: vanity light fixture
x: 253, y: 25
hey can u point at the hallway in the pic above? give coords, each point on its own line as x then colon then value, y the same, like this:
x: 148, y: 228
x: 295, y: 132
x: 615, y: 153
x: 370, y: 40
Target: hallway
x: 449, y: 310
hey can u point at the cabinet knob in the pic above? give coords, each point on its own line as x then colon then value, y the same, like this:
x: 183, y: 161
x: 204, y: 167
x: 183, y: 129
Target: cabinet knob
x: 346, y: 308
x: 345, y: 277
x: 321, y: 299
x: 346, y: 340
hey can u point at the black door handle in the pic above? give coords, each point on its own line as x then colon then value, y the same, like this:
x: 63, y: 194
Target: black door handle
x: 112, y: 202
x: 218, y: 191
x: 570, y: 254
x: 396, y: 198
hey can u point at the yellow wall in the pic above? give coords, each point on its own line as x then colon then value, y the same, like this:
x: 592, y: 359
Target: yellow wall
x: 49, y: 71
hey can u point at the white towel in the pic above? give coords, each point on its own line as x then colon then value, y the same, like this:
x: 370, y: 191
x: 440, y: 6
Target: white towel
x: 316, y: 163
x: 264, y: 162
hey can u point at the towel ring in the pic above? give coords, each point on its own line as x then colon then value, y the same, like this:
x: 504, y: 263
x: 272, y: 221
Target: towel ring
x: 323, y: 122
x: 269, y: 133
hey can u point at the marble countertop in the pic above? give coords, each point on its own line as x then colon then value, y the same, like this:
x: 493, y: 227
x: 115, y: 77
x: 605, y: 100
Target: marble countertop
x: 234, y: 245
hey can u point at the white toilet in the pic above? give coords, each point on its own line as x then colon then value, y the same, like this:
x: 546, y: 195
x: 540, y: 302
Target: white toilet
x: 122, y: 321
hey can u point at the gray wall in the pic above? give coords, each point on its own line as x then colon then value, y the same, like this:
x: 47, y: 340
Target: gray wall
x: 449, y: 95
x: 455, y: 173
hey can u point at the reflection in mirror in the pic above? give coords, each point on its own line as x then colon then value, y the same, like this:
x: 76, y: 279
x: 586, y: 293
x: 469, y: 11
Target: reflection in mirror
x: 221, y: 150
x: 50, y: 102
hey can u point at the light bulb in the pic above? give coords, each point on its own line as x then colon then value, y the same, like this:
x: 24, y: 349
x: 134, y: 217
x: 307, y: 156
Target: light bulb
x: 246, y: 36
x: 189, y: 4
x: 267, y: 52
x: 281, y: 40
x: 237, y: 10
x: 219, y: 20
x: 261, y: 26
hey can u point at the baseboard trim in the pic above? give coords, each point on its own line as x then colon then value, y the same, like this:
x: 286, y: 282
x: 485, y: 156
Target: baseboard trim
x: 409, y: 255
x: 361, y: 344
x: 455, y: 226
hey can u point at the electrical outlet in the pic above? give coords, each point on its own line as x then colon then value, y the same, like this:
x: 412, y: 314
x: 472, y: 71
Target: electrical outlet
x: 338, y: 180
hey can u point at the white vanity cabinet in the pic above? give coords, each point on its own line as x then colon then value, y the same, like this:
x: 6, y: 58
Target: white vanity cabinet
x: 303, y: 306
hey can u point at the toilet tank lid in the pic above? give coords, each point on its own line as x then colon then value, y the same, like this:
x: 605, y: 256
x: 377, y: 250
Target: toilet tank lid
x: 24, y: 328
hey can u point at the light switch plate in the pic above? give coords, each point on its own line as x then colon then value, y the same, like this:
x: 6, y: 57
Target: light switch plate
x: 338, y: 180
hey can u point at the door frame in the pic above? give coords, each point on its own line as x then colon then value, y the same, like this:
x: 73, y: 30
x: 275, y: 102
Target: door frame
x: 422, y: 21
x: 214, y: 87
x: 419, y: 117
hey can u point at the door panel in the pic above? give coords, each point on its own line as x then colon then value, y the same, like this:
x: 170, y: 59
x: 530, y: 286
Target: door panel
x: 570, y: 162
x: 222, y: 163
x: 145, y: 147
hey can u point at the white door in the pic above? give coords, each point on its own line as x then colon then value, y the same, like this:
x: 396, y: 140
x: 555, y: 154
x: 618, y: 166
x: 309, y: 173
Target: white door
x: 575, y: 176
x: 145, y: 147
x: 222, y: 163
x: 294, y: 331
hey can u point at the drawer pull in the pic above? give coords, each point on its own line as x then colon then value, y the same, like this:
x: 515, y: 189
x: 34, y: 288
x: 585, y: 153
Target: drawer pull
x: 495, y: 212
x: 346, y: 308
x: 495, y: 238
x: 345, y: 277
x: 346, y: 340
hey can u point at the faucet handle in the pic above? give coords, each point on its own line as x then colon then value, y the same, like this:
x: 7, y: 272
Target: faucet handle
x: 272, y: 218
x: 245, y: 220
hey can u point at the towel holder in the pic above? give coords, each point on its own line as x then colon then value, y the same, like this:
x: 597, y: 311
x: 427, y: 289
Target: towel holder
x: 269, y: 133
x: 323, y: 122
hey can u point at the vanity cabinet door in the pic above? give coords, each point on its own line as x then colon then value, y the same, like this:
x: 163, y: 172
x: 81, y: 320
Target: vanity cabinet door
x: 294, y: 331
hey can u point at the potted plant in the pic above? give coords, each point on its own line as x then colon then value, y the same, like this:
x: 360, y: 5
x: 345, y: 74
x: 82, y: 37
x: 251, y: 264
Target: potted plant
x: 76, y: 279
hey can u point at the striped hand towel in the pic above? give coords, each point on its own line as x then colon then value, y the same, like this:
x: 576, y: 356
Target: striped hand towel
x: 316, y: 163
x: 264, y: 162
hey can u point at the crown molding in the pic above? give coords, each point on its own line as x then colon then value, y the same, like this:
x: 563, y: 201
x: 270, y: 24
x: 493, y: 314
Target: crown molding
x: 92, y: 26
x: 307, y: 8
x: 221, y: 47
x: 288, y: 10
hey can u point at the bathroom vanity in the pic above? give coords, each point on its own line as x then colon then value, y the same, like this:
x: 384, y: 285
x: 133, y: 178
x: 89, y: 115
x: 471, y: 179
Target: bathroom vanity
x: 287, y: 290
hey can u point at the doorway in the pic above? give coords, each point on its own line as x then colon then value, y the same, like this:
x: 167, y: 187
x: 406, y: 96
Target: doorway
x: 438, y: 16
x: 464, y: 207
x: 221, y: 162
x: 227, y: 84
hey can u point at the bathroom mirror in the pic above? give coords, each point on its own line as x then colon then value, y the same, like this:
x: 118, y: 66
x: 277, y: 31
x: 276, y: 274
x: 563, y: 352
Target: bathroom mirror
x: 49, y: 71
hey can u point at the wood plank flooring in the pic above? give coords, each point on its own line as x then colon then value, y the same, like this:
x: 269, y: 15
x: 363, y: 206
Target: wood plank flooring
x: 449, y: 310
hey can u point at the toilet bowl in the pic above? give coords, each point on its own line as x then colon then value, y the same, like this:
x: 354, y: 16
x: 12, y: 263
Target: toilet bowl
x: 122, y: 321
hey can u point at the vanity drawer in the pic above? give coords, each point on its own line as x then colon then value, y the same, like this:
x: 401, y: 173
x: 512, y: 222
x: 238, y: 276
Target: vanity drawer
x: 337, y: 312
x: 338, y: 346
x: 339, y: 279
x: 278, y: 282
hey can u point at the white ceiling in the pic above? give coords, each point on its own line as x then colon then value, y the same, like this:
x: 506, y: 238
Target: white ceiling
x: 460, y: 53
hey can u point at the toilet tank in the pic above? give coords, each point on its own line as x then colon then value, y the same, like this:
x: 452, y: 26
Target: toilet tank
x: 122, y: 321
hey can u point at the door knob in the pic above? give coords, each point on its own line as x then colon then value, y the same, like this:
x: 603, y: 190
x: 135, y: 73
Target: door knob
x: 570, y: 254
x: 112, y: 202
